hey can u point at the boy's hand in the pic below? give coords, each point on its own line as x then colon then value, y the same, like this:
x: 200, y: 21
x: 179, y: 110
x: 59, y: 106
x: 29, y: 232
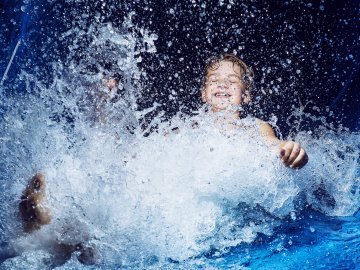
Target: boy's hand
x: 293, y: 155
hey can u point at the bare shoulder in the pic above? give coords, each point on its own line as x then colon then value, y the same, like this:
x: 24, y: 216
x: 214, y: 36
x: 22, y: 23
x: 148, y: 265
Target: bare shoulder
x: 261, y: 122
x: 266, y: 131
x: 264, y: 127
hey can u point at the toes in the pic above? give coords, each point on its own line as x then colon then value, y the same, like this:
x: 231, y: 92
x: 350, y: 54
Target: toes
x: 37, y: 183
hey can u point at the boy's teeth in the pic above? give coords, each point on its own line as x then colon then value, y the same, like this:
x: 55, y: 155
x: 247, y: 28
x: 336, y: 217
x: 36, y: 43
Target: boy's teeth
x: 221, y: 94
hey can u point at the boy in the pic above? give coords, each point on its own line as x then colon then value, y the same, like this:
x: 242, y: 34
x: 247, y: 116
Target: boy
x: 227, y: 83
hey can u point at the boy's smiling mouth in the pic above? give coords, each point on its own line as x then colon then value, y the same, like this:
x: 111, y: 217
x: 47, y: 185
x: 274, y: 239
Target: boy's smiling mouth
x: 221, y: 94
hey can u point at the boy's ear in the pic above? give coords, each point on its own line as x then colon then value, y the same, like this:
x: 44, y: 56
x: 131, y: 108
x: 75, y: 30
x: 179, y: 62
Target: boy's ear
x: 246, y: 97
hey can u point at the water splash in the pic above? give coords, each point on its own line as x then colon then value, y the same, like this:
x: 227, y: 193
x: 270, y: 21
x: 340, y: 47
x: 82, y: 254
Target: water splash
x: 185, y: 190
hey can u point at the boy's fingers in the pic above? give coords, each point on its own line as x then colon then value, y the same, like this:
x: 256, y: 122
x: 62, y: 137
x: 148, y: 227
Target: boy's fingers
x: 294, y: 153
x: 301, y: 160
x: 287, y: 148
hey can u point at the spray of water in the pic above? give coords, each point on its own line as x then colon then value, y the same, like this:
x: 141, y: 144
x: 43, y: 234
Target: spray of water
x: 181, y: 191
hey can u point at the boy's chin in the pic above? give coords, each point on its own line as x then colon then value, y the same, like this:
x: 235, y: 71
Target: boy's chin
x: 227, y: 108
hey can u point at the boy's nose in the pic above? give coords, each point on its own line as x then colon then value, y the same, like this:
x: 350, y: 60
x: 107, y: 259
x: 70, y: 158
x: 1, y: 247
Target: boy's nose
x: 223, y: 83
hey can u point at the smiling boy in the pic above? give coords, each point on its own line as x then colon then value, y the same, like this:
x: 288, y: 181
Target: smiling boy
x: 227, y: 83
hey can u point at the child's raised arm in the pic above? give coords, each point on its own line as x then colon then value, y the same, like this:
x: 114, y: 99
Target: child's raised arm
x: 291, y: 153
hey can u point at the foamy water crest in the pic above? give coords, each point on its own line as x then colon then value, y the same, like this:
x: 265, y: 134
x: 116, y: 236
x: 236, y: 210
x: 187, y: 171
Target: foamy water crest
x: 185, y: 190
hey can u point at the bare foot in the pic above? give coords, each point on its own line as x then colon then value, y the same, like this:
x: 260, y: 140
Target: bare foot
x: 33, y: 213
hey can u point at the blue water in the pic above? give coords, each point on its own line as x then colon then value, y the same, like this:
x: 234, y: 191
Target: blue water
x: 314, y: 242
x: 318, y: 242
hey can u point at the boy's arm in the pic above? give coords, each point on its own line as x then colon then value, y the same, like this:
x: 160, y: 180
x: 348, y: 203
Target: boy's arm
x: 291, y: 153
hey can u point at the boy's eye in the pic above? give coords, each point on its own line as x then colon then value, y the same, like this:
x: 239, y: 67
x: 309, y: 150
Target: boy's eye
x: 234, y: 79
x: 229, y: 79
x: 213, y: 79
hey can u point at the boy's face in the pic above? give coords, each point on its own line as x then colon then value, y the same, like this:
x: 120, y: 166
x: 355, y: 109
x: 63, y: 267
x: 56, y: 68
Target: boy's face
x: 224, y: 87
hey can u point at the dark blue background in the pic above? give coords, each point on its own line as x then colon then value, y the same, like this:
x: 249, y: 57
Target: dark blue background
x: 319, y: 38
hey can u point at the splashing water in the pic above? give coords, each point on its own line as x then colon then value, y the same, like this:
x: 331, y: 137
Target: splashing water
x: 182, y: 193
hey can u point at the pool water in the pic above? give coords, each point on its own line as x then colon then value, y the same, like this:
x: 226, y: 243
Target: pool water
x: 149, y: 190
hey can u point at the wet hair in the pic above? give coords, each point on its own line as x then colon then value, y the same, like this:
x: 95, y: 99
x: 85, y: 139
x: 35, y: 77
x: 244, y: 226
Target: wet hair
x: 247, y: 74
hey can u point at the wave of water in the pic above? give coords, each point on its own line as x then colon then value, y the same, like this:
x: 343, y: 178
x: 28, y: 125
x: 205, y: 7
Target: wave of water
x: 176, y: 197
